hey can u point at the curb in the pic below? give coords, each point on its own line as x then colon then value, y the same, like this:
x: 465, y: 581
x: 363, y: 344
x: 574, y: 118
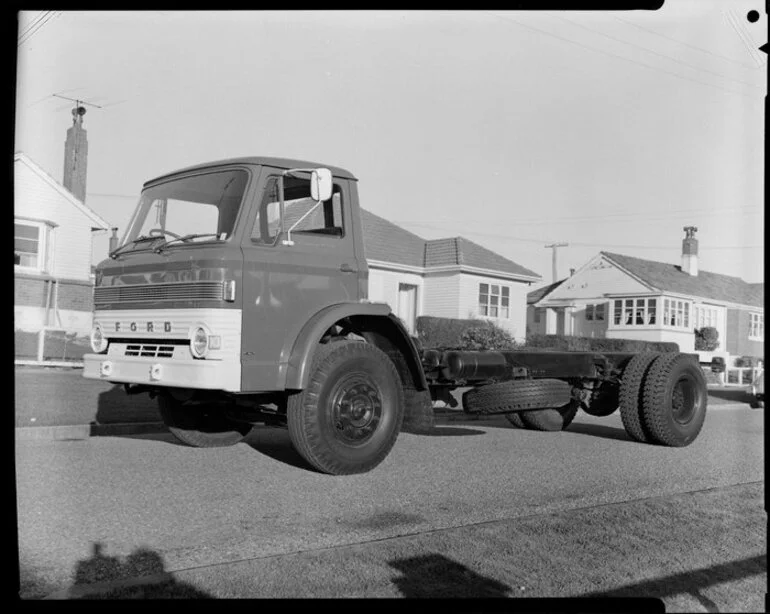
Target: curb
x: 84, y: 431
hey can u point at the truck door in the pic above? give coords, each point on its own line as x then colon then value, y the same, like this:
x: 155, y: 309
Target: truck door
x: 285, y: 285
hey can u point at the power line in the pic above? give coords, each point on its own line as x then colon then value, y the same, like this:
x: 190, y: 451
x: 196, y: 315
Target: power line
x: 33, y: 23
x: 663, y: 55
x: 675, y: 40
x: 602, y: 245
x: 37, y: 28
x: 619, y: 57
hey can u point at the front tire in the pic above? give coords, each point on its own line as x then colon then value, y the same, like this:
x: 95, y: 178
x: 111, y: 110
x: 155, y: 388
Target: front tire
x: 348, y: 417
x: 200, y: 425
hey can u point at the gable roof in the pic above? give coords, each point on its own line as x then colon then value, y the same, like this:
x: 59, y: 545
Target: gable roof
x: 95, y: 218
x: 671, y: 278
x: 385, y: 241
x: 461, y: 251
x: 534, y: 296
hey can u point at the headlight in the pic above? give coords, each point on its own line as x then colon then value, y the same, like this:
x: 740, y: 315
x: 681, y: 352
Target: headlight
x: 98, y: 340
x: 199, y: 342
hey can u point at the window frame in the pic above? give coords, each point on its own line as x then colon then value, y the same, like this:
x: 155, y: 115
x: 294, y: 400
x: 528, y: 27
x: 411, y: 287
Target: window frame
x: 44, y: 241
x: 501, y: 302
x: 628, y: 310
x: 337, y: 191
x: 756, y: 326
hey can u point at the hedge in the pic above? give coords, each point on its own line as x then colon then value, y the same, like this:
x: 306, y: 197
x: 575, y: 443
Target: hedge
x: 454, y: 333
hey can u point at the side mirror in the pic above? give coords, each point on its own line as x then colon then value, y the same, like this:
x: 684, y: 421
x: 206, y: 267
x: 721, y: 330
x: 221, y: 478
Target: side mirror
x: 321, y: 184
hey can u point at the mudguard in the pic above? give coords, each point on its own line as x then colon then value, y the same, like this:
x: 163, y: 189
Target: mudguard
x: 301, y: 357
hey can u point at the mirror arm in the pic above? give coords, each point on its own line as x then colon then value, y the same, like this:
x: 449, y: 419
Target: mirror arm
x: 288, y: 240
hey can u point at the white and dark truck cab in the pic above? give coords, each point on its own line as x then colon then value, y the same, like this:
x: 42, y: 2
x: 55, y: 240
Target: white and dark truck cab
x: 238, y: 296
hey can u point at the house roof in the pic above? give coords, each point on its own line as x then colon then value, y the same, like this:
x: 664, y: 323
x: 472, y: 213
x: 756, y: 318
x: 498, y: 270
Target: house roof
x: 95, y: 218
x: 671, y: 278
x: 461, y: 251
x: 536, y: 295
x: 385, y: 241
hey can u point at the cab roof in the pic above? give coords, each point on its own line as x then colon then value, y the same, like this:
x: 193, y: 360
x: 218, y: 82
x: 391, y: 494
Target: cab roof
x: 283, y: 163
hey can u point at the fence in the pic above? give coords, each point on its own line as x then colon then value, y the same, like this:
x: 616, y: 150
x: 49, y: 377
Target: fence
x: 740, y: 376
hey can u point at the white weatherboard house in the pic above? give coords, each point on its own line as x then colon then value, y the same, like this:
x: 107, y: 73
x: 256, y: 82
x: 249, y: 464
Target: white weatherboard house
x: 52, y: 233
x: 451, y: 278
x: 619, y: 296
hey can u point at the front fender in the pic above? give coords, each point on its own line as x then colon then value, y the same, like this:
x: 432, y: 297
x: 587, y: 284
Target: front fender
x: 301, y: 357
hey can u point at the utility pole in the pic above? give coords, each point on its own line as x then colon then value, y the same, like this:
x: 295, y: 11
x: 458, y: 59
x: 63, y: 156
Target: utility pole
x: 554, y: 247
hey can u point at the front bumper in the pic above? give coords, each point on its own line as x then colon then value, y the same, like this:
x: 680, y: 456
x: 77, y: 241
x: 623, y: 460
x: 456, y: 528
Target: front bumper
x: 196, y: 374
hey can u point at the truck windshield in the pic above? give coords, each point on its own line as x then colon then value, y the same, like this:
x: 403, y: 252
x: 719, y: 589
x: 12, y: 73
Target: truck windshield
x: 198, y: 208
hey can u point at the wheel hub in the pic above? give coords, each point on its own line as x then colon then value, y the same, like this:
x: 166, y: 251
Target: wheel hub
x: 357, y: 409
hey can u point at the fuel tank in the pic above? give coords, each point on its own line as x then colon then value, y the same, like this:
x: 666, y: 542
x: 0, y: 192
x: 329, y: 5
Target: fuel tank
x: 459, y: 365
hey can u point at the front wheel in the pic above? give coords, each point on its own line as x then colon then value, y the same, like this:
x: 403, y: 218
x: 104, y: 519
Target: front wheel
x: 348, y: 417
x: 200, y: 425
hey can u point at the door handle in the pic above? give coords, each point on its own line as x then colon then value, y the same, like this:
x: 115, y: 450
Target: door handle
x: 346, y: 268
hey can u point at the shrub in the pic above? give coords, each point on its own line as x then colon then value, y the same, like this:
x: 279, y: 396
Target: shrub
x: 706, y: 339
x: 748, y: 361
x: 436, y: 333
x: 488, y: 337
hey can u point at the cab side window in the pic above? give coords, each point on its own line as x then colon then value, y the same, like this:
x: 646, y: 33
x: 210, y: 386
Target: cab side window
x: 323, y: 220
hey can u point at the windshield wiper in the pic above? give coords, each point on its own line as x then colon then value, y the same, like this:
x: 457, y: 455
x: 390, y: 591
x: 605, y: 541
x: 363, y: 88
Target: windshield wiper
x: 185, y: 239
x: 142, y: 239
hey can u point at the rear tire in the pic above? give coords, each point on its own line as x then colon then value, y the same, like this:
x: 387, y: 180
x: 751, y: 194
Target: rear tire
x: 551, y: 420
x: 348, y: 417
x: 516, y: 395
x: 674, y: 408
x: 201, y: 426
x: 631, y: 390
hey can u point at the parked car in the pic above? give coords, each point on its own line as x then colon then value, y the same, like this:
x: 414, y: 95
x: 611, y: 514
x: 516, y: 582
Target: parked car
x: 758, y: 391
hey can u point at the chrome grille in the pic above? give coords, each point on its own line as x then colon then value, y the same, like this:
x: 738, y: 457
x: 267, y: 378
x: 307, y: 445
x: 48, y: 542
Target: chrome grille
x: 150, y: 351
x: 176, y: 291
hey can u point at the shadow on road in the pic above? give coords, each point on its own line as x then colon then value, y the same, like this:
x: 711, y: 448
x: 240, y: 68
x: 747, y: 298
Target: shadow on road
x: 692, y: 582
x: 737, y: 395
x: 599, y: 430
x: 434, y: 575
x: 141, y: 575
x: 115, y: 406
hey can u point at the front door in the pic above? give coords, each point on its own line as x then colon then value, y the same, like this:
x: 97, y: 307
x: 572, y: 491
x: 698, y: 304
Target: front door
x: 285, y: 285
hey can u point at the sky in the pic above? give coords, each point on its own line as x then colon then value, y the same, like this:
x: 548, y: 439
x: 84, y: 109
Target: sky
x: 514, y: 129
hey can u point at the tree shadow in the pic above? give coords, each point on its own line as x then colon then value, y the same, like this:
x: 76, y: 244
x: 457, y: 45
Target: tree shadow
x: 692, y: 582
x: 140, y: 575
x: 436, y: 576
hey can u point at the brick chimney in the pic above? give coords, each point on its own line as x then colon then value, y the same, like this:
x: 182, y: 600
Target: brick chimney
x: 690, y: 251
x: 76, y: 156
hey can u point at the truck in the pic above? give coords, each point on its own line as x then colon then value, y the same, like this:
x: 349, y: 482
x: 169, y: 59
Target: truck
x: 238, y: 296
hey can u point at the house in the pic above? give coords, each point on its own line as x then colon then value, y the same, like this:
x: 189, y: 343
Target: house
x: 451, y: 278
x: 620, y: 296
x: 53, y: 229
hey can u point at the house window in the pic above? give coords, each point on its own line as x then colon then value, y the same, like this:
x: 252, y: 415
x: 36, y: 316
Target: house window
x: 595, y: 313
x: 676, y: 313
x: 29, y: 245
x: 705, y: 316
x: 494, y: 301
x: 757, y: 326
x: 536, y: 315
x: 633, y: 312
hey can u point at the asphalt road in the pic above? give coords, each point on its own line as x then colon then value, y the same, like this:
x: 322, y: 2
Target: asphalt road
x: 183, y: 509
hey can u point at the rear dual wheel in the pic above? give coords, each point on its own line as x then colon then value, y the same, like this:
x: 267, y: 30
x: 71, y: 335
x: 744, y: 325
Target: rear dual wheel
x: 663, y: 399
